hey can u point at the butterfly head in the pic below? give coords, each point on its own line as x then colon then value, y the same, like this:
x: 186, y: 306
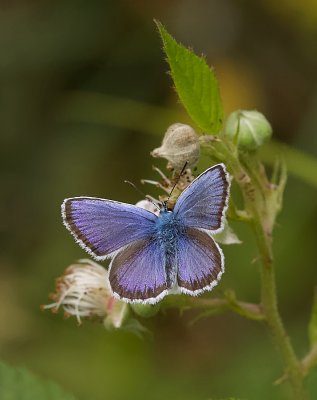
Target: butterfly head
x: 164, y: 209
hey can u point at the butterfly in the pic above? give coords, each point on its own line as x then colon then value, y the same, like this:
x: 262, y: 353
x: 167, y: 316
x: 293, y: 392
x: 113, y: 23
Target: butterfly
x: 153, y: 255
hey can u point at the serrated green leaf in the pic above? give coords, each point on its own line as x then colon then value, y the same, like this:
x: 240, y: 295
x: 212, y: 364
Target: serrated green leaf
x: 20, y: 384
x: 195, y: 83
x: 312, y: 327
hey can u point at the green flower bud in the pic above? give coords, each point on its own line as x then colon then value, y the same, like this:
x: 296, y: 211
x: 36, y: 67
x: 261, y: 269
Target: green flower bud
x: 250, y: 129
x: 180, y: 145
x: 145, y: 310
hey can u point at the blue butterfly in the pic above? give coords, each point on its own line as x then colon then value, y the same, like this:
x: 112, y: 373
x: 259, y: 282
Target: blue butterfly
x: 156, y: 255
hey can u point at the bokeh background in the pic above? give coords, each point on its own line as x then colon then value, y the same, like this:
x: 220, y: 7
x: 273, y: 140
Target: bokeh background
x: 84, y: 98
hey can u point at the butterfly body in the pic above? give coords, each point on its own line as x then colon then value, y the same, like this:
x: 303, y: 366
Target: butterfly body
x: 168, y: 230
x: 153, y: 255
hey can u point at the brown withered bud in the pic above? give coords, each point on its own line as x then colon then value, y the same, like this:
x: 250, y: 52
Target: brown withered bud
x: 180, y: 145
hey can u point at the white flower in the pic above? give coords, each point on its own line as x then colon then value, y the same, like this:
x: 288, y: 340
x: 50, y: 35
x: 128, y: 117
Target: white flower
x: 147, y: 205
x: 84, y: 291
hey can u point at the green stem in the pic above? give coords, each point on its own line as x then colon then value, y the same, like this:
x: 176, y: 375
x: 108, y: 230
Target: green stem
x: 256, y: 195
x: 270, y: 309
x: 310, y: 360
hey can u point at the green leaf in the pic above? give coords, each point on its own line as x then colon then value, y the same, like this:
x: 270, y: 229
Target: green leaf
x: 312, y: 327
x: 20, y: 384
x: 195, y: 83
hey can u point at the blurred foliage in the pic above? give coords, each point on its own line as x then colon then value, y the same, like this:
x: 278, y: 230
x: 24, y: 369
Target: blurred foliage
x: 312, y: 328
x: 66, y: 70
x: 18, y: 383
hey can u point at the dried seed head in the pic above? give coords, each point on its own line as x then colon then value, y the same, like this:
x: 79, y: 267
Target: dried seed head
x: 250, y: 129
x: 180, y: 144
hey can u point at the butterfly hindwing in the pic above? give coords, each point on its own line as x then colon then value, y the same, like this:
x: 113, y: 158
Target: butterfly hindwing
x: 137, y: 273
x: 102, y: 226
x: 199, y: 261
x: 203, y: 203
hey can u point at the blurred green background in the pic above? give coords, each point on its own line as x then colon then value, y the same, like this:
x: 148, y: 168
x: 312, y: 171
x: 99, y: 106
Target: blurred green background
x: 84, y: 98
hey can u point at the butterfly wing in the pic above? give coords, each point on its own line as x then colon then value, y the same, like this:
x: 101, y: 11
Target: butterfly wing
x: 137, y: 273
x: 204, y: 202
x: 200, y: 262
x: 102, y: 227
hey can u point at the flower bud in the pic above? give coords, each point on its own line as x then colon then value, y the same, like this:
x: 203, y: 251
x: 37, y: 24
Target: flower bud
x: 84, y: 292
x: 117, y: 313
x: 250, y: 129
x: 146, y: 310
x: 180, y: 145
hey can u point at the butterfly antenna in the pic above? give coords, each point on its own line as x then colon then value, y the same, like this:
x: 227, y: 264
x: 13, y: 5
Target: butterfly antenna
x: 143, y: 194
x: 177, y: 180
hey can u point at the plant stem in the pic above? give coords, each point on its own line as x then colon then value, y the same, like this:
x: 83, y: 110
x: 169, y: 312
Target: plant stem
x: 273, y: 319
x: 257, y: 194
x: 262, y: 200
x: 310, y: 360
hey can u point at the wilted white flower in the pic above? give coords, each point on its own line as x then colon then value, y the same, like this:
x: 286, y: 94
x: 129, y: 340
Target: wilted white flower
x: 84, y: 292
x: 147, y: 205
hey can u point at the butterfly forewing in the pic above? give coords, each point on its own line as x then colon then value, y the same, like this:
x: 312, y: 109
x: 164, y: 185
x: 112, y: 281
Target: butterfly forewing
x: 199, y: 262
x: 102, y: 227
x: 137, y: 273
x: 203, y: 204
